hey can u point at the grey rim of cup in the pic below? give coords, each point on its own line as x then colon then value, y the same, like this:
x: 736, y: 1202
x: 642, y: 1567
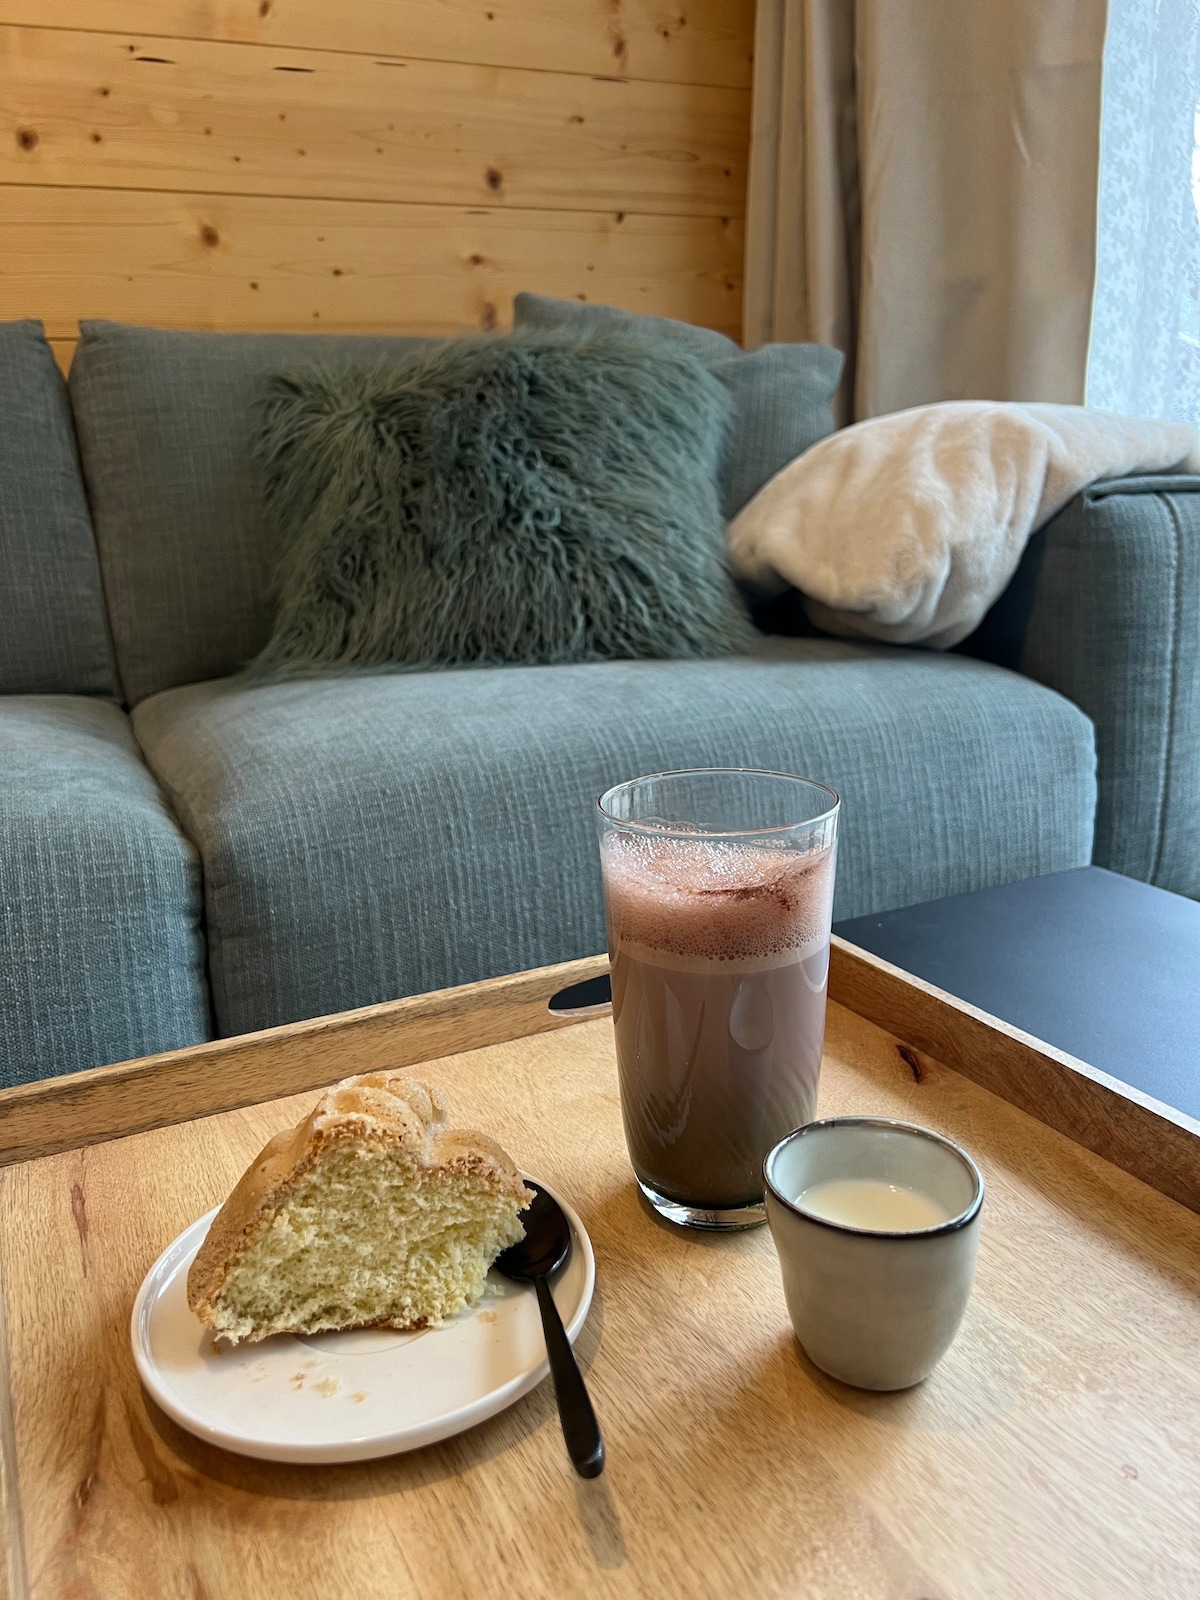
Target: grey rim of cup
x: 660, y: 826
x: 951, y: 1225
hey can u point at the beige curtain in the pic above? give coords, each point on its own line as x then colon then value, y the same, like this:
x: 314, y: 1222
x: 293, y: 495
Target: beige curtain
x: 923, y: 179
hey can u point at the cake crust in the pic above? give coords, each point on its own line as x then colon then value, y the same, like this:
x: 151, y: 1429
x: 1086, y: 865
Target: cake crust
x: 386, y: 1108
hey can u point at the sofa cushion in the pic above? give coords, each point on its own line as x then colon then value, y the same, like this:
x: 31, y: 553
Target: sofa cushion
x: 53, y: 629
x: 365, y: 838
x: 100, y: 902
x: 522, y: 498
x: 165, y: 422
x: 782, y: 393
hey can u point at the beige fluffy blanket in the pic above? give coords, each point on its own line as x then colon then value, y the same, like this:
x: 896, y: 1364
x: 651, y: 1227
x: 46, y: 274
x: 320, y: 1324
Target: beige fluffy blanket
x: 906, y: 528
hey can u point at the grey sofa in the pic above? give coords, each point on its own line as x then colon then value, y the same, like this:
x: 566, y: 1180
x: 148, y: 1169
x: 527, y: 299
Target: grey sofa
x: 183, y: 857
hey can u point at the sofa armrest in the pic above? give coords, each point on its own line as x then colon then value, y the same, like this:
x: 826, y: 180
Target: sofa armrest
x: 1105, y: 608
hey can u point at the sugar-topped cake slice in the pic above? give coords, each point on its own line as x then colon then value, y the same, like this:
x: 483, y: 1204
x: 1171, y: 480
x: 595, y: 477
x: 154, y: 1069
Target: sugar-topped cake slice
x: 372, y: 1213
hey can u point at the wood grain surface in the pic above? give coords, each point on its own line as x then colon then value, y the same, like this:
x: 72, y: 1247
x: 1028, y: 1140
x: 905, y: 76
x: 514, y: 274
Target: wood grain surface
x: 689, y: 41
x: 1153, y: 1141
x: 278, y: 164
x: 84, y: 1107
x: 1054, y: 1455
x: 98, y: 111
x: 351, y: 266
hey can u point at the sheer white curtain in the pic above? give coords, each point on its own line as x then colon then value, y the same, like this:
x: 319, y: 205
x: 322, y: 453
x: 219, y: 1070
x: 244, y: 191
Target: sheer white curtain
x: 1144, y: 357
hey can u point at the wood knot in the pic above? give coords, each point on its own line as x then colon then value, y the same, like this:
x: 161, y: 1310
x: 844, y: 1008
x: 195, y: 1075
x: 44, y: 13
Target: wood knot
x: 493, y: 179
x: 264, y: 8
x: 80, y: 1218
x: 27, y: 138
x: 912, y: 1061
x: 619, y: 47
x: 209, y: 236
x: 487, y: 317
x: 96, y: 138
x: 476, y: 260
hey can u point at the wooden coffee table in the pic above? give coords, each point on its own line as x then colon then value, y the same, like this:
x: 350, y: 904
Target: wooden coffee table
x: 1055, y: 1453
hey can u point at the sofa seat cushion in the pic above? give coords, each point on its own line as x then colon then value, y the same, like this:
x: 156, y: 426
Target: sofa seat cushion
x: 366, y: 838
x: 100, y: 900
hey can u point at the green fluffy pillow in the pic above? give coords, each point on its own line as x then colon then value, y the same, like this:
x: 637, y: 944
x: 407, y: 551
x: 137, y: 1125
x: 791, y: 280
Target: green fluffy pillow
x: 782, y: 393
x: 518, y: 499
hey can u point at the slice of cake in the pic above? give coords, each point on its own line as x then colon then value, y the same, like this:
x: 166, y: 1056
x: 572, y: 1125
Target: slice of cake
x: 371, y: 1213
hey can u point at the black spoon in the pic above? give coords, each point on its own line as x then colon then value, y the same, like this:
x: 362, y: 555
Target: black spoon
x: 546, y: 1245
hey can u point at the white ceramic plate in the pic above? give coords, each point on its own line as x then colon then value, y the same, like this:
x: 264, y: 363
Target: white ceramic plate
x: 347, y: 1396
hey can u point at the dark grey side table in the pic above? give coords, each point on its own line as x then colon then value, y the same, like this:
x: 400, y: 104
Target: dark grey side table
x: 1101, y: 966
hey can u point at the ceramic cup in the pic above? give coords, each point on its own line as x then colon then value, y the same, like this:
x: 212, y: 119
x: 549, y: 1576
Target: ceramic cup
x: 874, y: 1309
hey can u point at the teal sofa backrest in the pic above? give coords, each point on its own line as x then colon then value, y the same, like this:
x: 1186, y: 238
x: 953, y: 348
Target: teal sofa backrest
x: 53, y: 631
x: 165, y: 421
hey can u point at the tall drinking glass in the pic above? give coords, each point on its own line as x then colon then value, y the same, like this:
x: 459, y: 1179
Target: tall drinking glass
x: 718, y: 888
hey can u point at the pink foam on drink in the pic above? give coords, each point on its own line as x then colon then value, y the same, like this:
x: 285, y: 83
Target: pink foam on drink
x: 713, y: 900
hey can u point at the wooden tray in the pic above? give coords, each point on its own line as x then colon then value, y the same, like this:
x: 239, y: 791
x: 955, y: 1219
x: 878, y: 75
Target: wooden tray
x: 1054, y: 1452
x: 1151, y: 1140
x: 1155, y: 1142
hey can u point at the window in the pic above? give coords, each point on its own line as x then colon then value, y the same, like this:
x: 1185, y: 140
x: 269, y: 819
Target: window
x: 1145, y: 347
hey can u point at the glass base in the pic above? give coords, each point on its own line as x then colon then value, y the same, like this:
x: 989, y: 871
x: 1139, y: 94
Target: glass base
x: 712, y: 1219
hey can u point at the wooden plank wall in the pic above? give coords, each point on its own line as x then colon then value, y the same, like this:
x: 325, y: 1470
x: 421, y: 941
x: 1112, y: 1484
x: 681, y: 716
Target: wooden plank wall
x: 369, y: 165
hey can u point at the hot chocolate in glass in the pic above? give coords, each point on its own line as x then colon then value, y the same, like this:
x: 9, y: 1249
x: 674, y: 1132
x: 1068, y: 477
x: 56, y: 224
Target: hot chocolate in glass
x: 719, y: 891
